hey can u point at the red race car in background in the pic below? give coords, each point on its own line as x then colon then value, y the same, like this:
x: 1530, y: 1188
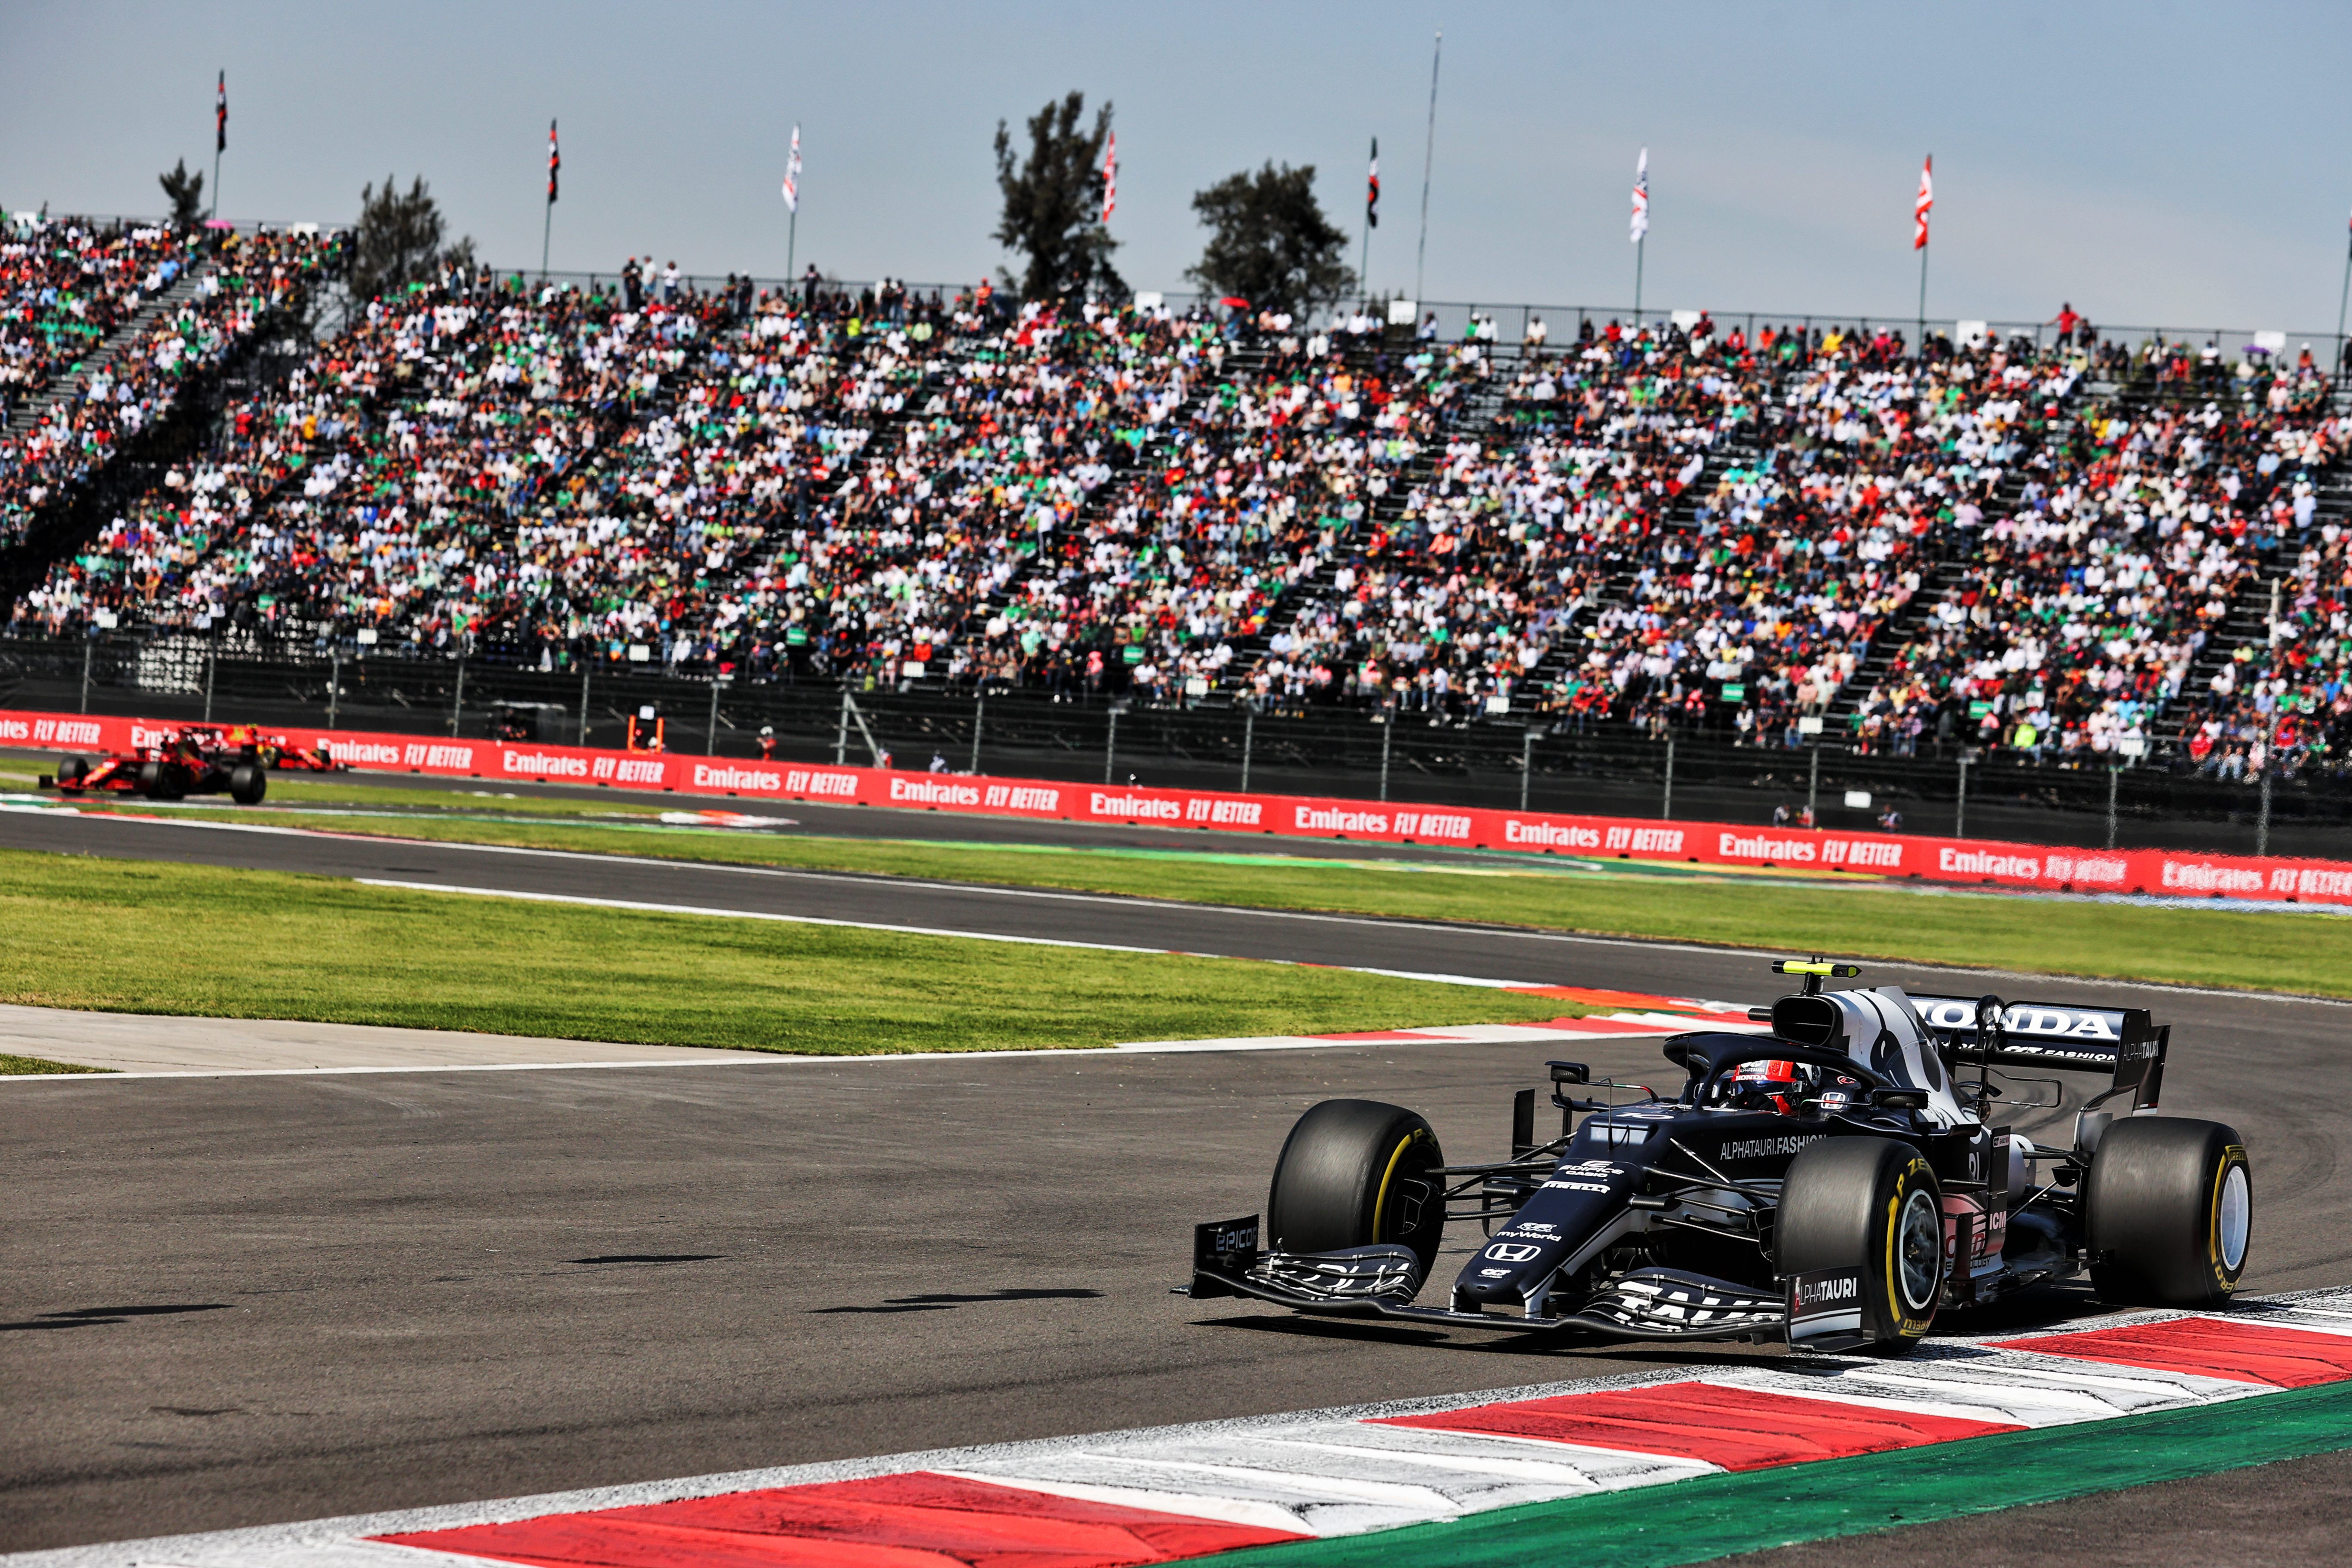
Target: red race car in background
x: 197, y: 759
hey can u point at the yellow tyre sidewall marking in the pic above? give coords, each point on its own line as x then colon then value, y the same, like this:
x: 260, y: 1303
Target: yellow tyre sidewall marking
x: 1898, y: 1310
x: 2234, y: 1158
x: 1388, y: 1179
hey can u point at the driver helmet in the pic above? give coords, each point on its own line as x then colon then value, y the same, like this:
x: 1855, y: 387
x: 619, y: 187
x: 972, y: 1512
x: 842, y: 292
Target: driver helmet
x: 1769, y: 1085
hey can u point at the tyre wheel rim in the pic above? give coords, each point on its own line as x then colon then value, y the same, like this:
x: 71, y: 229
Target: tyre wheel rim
x: 1919, y: 1249
x: 2234, y: 1218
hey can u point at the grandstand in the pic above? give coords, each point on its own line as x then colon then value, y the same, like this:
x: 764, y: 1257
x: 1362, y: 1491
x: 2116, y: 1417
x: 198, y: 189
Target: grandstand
x: 2069, y: 550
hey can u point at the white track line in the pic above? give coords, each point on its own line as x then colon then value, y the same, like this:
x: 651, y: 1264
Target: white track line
x: 1573, y: 938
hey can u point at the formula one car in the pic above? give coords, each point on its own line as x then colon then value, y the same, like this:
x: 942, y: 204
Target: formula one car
x: 198, y: 759
x: 1830, y: 1184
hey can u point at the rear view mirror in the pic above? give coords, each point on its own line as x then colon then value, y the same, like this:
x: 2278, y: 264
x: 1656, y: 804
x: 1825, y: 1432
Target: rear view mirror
x: 1569, y: 1072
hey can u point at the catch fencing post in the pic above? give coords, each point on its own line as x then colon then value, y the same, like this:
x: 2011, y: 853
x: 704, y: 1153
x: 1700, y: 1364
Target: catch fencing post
x: 710, y: 746
x: 334, y: 683
x: 2270, y: 766
x: 585, y: 674
x: 1388, y: 730
x: 841, y: 735
x: 1666, y: 807
x: 1110, y: 747
x: 210, y: 659
x: 85, y: 647
x: 1961, y: 804
x: 979, y: 711
x: 2113, y: 773
x: 458, y: 699
x: 1813, y: 786
x: 1249, y: 737
x: 1527, y: 763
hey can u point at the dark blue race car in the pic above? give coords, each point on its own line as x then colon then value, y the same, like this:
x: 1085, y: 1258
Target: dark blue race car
x: 1832, y: 1183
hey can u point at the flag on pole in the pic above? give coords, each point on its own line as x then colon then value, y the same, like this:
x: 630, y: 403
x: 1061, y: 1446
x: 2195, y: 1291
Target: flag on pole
x: 1922, y: 203
x: 554, y: 162
x: 792, y: 174
x: 220, y: 115
x: 1111, y: 177
x: 1641, y: 196
x: 1373, y: 192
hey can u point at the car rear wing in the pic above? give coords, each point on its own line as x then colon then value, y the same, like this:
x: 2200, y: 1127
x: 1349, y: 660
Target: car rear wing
x: 2124, y: 1042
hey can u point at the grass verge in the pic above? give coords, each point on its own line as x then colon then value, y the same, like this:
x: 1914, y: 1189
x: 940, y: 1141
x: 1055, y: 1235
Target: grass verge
x: 131, y: 936
x: 19, y: 1067
x: 2191, y: 946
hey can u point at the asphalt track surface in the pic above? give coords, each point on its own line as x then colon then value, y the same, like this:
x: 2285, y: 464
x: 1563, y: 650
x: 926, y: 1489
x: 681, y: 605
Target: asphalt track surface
x: 234, y: 1301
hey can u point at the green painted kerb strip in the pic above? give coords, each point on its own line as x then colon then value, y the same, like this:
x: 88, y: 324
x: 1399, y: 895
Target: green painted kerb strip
x: 1714, y: 1516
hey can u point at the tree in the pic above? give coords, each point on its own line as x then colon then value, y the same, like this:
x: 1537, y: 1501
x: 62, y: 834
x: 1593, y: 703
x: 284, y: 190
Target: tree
x: 1269, y: 242
x: 397, y: 240
x: 1052, y: 203
x: 185, y: 192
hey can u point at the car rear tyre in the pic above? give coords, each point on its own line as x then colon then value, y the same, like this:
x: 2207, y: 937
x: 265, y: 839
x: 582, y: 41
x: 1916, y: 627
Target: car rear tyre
x: 248, y: 783
x: 1356, y: 1172
x: 1870, y: 1203
x: 2170, y: 1205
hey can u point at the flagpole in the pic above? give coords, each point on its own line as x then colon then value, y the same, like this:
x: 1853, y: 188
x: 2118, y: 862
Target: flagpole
x: 1428, y: 161
x: 547, y: 224
x: 791, y: 242
x: 1920, y: 347
x: 1364, y: 274
x: 1639, y: 246
x: 2341, y: 299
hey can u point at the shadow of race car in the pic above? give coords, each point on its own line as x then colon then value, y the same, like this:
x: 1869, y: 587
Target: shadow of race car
x: 1830, y: 1184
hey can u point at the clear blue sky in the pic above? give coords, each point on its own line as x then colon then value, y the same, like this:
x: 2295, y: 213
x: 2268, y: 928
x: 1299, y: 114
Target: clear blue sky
x: 2153, y: 163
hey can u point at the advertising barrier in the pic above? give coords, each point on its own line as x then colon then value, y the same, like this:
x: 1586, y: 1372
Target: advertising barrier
x: 2163, y: 872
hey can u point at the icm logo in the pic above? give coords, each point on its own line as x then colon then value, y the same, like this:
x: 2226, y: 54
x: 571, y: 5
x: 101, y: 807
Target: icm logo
x: 1512, y: 1252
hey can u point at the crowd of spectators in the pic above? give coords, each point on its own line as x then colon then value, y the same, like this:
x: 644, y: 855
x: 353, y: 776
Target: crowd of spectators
x: 1687, y: 526
x: 68, y: 290
x: 2076, y: 612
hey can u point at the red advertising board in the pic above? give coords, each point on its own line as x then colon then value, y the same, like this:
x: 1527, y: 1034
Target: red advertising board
x: 1880, y: 855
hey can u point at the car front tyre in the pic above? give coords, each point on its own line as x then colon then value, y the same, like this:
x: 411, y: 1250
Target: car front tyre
x: 1357, y: 1171
x: 1870, y: 1203
x: 2170, y: 1207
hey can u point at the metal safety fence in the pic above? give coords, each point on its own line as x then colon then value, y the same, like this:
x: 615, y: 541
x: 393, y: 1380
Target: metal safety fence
x: 1404, y: 757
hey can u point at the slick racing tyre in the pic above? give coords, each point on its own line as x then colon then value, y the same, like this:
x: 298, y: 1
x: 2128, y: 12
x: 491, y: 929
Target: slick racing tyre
x: 1356, y: 1172
x: 2171, y: 1204
x: 162, y: 781
x: 248, y: 783
x: 1870, y: 1204
x: 72, y: 770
